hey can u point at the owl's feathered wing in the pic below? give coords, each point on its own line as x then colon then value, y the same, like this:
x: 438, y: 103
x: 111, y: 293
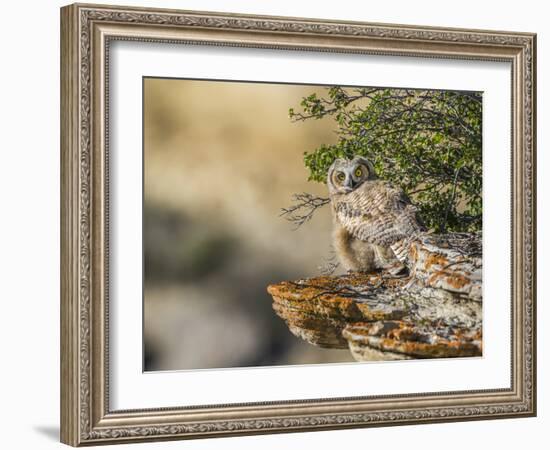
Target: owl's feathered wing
x: 379, y: 213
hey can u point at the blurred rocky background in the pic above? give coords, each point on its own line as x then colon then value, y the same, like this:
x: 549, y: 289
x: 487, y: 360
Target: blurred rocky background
x: 220, y: 161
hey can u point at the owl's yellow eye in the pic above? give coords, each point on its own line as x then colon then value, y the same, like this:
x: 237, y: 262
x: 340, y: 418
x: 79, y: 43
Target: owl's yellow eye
x: 358, y: 172
x: 340, y: 176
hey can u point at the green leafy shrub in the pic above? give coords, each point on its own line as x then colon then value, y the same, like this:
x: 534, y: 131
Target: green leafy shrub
x: 426, y: 141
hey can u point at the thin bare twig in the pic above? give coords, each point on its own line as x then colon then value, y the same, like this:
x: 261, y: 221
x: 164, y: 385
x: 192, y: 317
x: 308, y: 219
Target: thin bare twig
x: 304, y: 207
x: 341, y: 291
x: 451, y: 202
x: 330, y: 264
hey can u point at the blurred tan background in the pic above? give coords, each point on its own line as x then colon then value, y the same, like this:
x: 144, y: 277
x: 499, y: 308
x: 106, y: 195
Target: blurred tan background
x: 220, y: 161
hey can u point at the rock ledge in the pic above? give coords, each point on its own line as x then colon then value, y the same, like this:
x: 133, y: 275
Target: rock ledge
x: 436, y: 312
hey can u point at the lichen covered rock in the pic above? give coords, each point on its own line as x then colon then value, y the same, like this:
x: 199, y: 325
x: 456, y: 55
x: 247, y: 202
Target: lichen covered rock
x: 451, y: 262
x: 403, y: 339
x: 318, y: 309
x: 435, y: 312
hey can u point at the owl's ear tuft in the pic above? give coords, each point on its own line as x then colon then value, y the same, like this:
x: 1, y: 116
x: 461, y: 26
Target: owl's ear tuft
x: 332, y: 167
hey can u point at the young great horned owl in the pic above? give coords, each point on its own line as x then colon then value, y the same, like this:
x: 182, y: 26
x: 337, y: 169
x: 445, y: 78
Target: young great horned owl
x: 374, y: 221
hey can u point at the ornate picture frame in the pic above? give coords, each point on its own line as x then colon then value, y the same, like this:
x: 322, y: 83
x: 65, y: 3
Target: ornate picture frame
x: 87, y: 31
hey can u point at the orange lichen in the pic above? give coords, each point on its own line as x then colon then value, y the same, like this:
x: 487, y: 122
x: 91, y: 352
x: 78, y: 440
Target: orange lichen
x: 453, y: 279
x: 401, y: 337
x: 435, y: 259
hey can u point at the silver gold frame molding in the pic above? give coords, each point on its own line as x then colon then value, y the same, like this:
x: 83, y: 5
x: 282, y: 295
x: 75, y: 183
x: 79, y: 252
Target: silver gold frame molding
x: 86, y: 33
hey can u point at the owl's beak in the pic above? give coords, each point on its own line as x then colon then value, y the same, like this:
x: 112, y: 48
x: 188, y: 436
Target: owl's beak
x: 352, y: 184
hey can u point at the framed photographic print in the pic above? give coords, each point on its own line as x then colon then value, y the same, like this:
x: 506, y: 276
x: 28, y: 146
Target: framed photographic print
x: 276, y: 224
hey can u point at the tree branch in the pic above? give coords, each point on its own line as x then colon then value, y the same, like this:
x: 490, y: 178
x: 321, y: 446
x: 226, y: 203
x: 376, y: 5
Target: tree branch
x: 304, y: 207
x: 443, y: 226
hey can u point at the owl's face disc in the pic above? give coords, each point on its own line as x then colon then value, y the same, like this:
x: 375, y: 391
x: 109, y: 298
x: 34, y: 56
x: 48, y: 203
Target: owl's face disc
x: 346, y: 175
